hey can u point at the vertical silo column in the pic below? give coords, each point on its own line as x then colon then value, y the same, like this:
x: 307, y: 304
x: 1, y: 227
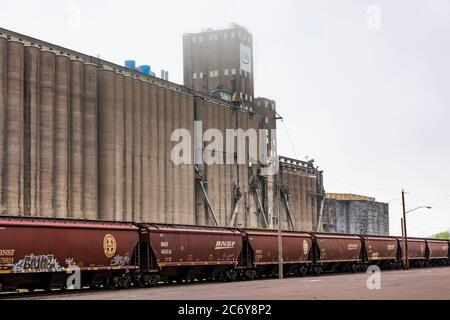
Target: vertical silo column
x: 303, y: 196
x: 14, y: 129
x: 146, y: 175
x: 161, y: 155
x: 242, y: 172
x: 154, y: 183
x: 190, y: 172
x: 221, y: 169
x: 61, y: 116
x: 229, y: 206
x: 182, y: 210
x: 309, y: 202
x: 106, y: 105
x: 47, y: 131
x: 31, y: 130
x: 3, y: 116
x: 178, y: 196
x: 201, y: 210
x: 119, y: 154
x: 137, y: 149
x: 169, y: 168
x: 76, y: 139
x: 128, y: 214
x: 90, y: 142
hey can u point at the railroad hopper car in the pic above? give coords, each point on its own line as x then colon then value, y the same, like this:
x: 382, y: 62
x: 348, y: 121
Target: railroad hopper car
x: 437, y: 252
x: 176, y: 253
x: 44, y: 253
x: 337, y: 253
x: 382, y: 251
x: 261, y: 250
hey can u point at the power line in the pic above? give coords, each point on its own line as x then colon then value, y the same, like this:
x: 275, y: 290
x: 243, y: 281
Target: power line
x: 289, y: 137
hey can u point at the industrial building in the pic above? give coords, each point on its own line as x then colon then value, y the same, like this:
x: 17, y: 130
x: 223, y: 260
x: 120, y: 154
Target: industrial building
x: 355, y: 214
x: 85, y: 138
x: 220, y: 60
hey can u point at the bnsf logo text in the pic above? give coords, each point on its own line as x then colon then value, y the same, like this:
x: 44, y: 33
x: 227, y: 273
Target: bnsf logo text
x: 225, y: 245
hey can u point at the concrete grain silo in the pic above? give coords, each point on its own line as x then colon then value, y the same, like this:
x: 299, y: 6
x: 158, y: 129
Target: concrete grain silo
x: 3, y: 117
x: 76, y: 139
x: 31, y: 130
x: 106, y: 106
x: 14, y: 129
x: 128, y: 212
x: 119, y: 147
x: 137, y: 149
x: 90, y: 157
x: 61, y: 135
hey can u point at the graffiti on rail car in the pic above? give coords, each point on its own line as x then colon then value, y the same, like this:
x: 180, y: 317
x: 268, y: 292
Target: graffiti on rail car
x: 38, y: 263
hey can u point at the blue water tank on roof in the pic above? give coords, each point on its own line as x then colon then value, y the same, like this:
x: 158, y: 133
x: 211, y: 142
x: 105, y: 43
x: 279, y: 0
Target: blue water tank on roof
x: 145, y: 69
x: 131, y: 64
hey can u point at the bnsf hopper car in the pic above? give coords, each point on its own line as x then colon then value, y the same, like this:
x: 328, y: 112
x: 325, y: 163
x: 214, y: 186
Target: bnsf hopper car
x: 185, y: 253
x: 262, y: 246
x: 382, y: 251
x: 335, y: 252
x: 39, y: 253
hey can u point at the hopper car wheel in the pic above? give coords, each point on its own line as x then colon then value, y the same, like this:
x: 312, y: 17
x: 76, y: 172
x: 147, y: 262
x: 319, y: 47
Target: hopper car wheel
x: 303, y: 271
x: 231, y: 275
x: 143, y: 281
x: 110, y: 283
x: 317, y: 270
x: 154, y: 280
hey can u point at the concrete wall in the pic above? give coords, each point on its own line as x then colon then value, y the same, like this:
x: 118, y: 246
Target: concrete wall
x: 356, y: 217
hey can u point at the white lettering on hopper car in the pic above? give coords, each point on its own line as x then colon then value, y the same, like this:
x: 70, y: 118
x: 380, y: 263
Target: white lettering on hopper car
x: 220, y: 245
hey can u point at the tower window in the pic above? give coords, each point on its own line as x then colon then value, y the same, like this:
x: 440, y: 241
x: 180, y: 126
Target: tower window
x: 200, y: 39
x: 200, y: 75
x: 225, y: 72
x: 233, y: 71
x: 194, y: 76
x: 194, y: 39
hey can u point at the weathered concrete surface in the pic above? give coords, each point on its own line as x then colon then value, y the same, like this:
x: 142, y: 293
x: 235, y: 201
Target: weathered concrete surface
x: 360, y: 217
x: 395, y: 285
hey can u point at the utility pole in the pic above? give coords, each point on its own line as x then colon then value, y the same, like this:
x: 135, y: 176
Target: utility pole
x: 280, y: 238
x: 405, y: 235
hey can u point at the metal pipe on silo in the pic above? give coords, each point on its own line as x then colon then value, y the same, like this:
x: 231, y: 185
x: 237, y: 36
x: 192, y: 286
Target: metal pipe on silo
x: 46, y: 131
x: 76, y: 187
x: 146, y: 168
x: 3, y: 116
x: 119, y: 153
x: 61, y: 135
x: 137, y: 149
x: 128, y: 212
x: 161, y: 155
x: 169, y: 168
x: 31, y: 130
x: 153, y: 136
x: 90, y: 155
x: 14, y: 128
x: 106, y: 104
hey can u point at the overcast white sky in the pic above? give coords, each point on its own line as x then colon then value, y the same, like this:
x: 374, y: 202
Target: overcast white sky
x: 371, y: 106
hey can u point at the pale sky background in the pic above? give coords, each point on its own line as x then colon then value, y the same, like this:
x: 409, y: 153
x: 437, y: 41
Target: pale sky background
x: 372, y: 107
